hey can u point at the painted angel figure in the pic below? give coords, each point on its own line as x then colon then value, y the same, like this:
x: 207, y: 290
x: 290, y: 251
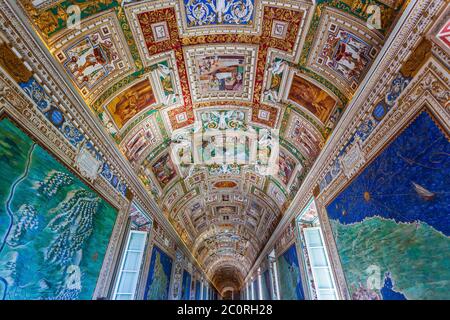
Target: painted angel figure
x: 164, y: 73
x: 182, y: 148
x: 350, y: 56
x: 272, y: 95
x: 222, y: 124
x: 276, y: 69
x: 107, y: 123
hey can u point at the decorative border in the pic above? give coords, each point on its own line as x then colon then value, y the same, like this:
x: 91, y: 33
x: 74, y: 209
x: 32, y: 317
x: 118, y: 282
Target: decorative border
x: 249, y: 53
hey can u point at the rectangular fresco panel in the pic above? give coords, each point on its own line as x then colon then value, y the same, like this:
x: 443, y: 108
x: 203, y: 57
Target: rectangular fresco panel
x: 226, y: 210
x: 346, y: 54
x: 311, y: 97
x: 265, y: 285
x: 159, y: 274
x: 130, y: 102
x: 393, y: 221
x: 164, y: 170
x: 197, y: 290
x: 54, y: 230
x: 90, y: 60
x: 221, y: 73
x: 186, y: 286
x: 289, y: 275
x: 286, y: 166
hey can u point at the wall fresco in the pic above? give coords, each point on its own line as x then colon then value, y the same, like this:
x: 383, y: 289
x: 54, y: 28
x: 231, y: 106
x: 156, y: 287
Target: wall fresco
x: 54, y: 230
x: 289, y: 275
x: 159, y: 274
x: 392, y: 222
x: 186, y: 286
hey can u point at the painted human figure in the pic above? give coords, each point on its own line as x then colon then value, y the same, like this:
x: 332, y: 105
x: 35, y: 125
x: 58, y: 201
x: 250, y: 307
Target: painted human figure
x: 276, y: 69
x: 108, y: 124
x: 85, y: 60
x: 222, y: 73
x: 350, y: 62
x: 346, y: 54
x: 164, y: 73
x: 286, y: 166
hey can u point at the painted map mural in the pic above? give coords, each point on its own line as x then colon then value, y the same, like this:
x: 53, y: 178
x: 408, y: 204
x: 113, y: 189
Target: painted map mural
x: 255, y: 289
x: 54, y: 230
x: 392, y: 223
x: 197, y: 290
x: 265, y: 285
x: 186, y: 286
x: 289, y: 275
x: 159, y: 273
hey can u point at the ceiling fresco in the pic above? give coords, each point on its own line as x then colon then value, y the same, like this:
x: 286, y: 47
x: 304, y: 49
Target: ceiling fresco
x: 221, y: 107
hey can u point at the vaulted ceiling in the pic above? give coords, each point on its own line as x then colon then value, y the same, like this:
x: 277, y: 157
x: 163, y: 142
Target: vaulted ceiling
x: 206, y: 97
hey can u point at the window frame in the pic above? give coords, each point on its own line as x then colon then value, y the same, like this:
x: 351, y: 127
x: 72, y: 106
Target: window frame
x: 122, y: 264
x: 327, y: 259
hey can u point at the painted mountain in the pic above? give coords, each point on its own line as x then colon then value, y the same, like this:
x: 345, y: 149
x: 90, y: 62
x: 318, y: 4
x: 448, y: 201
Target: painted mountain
x: 54, y: 230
